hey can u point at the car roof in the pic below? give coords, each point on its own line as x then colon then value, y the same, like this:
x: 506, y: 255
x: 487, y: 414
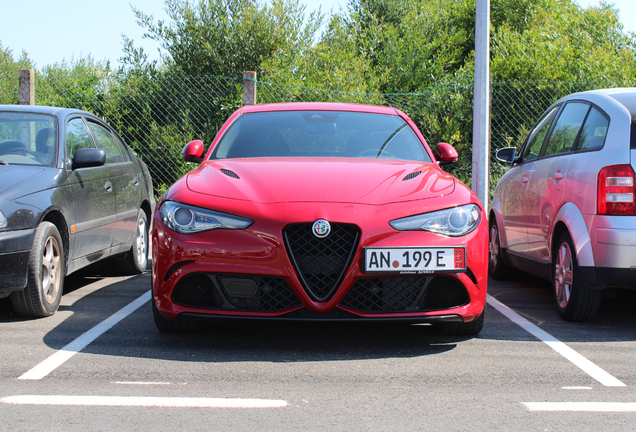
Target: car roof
x: 626, y: 96
x: 39, y: 109
x: 319, y: 106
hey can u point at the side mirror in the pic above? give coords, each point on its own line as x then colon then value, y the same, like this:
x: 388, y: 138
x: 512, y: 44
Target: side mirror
x: 445, y: 154
x: 193, y: 151
x: 88, y: 157
x: 507, y: 155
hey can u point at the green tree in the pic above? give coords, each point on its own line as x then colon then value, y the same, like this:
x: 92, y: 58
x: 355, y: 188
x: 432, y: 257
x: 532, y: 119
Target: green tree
x: 228, y: 37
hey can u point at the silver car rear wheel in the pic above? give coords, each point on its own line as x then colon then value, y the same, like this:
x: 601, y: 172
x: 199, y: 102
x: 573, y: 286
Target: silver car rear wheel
x: 574, y: 301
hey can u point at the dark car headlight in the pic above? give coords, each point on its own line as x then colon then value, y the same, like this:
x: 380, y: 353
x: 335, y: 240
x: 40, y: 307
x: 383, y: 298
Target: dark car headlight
x: 186, y: 219
x: 454, y: 222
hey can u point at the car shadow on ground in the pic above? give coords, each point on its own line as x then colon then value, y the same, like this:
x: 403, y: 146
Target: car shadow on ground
x: 226, y: 341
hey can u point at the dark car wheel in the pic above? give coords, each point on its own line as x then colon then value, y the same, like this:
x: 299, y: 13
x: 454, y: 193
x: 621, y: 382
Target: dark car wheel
x: 45, y: 282
x: 136, y: 259
x: 497, y: 269
x: 574, y: 301
x: 461, y: 328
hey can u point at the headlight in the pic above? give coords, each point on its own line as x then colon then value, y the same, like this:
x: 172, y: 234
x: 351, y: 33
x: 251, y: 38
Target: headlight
x: 186, y: 219
x: 454, y: 222
x: 3, y: 220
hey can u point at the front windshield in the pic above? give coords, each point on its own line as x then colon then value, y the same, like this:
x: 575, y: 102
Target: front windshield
x: 320, y: 134
x: 27, y: 139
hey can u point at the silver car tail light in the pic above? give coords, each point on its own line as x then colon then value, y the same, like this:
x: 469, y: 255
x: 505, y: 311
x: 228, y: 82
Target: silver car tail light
x: 616, y: 191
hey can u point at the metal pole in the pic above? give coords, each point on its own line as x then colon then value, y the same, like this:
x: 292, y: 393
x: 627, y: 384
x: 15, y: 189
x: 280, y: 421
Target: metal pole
x: 481, y: 107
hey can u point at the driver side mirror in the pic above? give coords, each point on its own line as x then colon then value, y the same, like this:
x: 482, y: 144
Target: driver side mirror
x: 193, y: 151
x: 507, y: 155
x: 446, y: 154
x: 88, y: 157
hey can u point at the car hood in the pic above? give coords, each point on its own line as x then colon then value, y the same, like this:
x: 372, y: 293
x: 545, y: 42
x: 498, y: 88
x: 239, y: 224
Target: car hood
x: 363, y: 181
x: 18, y: 180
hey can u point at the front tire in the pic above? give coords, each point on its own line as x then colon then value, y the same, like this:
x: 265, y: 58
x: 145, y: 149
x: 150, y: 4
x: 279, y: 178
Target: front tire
x: 136, y: 259
x: 497, y: 269
x: 45, y: 281
x: 574, y: 301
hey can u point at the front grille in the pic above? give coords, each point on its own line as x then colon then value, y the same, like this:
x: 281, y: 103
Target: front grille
x: 235, y: 292
x: 405, y: 294
x: 321, y: 262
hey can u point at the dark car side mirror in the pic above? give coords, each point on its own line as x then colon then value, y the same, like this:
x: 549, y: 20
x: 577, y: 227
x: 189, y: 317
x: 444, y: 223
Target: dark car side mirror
x: 446, y: 154
x: 193, y: 151
x: 88, y: 157
x: 507, y: 155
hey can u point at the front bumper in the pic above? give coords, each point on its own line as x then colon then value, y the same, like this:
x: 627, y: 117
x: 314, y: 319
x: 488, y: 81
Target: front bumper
x: 15, y: 250
x: 248, y: 274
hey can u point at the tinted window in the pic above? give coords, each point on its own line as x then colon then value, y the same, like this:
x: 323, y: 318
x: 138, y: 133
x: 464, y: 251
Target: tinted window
x: 106, y: 141
x: 594, y: 130
x: 77, y: 137
x: 27, y: 138
x: 320, y: 134
x: 535, y: 140
x: 567, y: 128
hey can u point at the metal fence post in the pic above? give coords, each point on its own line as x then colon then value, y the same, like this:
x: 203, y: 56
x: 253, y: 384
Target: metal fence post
x: 26, y: 94
x: 249, y: 88
x: 481, y: 107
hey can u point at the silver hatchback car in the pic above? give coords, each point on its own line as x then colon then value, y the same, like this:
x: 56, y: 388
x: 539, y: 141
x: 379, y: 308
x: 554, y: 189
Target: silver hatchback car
x: 565, y: 210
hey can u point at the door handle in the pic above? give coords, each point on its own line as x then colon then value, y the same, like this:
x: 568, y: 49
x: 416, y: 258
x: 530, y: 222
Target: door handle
x: 108, y: 187
x: 136, y: 181
x: 558, y: 175
x: 525, y: 179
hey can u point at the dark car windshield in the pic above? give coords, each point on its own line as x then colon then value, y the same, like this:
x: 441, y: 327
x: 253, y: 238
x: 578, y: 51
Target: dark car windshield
x: 27, y: 138
x: 320, y: 134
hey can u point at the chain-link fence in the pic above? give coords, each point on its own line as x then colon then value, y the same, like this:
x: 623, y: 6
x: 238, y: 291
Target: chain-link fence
x: 158, y: 116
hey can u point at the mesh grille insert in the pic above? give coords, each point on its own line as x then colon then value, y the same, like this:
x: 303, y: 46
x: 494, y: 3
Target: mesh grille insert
x: 230, y: 173
x: 412, y: 175
x: 235, y: 292
x: 405, y: 294
x: 321, y: 263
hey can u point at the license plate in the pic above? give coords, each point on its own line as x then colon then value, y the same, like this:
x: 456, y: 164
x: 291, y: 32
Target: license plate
x: 415, y: 260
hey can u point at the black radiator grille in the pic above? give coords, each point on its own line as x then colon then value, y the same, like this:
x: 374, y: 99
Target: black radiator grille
x: 321, y: 262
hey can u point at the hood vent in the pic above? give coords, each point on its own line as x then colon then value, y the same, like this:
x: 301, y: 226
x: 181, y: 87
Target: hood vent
x: 412, y: 175
x: 230, y: 173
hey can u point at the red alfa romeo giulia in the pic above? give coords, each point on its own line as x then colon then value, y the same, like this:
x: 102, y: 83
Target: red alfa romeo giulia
x: 320, y: 211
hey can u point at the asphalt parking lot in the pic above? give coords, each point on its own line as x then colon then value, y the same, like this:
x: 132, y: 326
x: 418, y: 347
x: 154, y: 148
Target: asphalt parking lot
x: 100, y: 364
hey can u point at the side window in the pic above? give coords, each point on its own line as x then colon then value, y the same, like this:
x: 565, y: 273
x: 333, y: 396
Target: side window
x: 106, y: 141
x: 77, y: 137
x: 535, y: 140
x: 567, y: 128
x: 594, y: 130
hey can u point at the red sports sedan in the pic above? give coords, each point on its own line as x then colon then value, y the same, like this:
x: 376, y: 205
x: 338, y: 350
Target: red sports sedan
x: 320, y: 211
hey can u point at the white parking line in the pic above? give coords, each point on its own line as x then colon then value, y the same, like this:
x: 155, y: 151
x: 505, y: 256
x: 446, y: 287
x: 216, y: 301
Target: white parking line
x: 128, y: 401
x: 577, y: 359
x: 582, y: 406
x: 57, y: 359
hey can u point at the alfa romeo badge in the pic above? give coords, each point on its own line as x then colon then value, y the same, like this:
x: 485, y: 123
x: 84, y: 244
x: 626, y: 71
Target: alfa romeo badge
x: 321, y: 228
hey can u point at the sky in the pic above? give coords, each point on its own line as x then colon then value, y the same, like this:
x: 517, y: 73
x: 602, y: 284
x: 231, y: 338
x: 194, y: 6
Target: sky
x: 52, y: 31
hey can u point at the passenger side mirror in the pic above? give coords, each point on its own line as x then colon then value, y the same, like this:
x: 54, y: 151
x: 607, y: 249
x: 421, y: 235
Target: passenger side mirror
x: 446, y: 154
x: 88, y: 157
x: 507, y: 155
x: 193, y: 151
